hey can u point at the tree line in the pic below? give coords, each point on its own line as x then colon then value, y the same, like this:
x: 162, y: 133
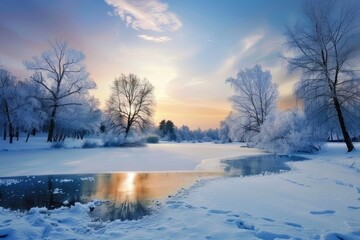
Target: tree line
x: 167, y: 131
x: 56, y: 99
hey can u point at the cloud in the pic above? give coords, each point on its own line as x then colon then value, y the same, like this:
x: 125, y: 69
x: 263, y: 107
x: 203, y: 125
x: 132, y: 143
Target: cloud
x: 161, y: 39
x: 256, y: 47
x: 262, y: 48
x: 194, y: 83
x: 247, y: 47
x: 150, y: 15
x: 250, y: 41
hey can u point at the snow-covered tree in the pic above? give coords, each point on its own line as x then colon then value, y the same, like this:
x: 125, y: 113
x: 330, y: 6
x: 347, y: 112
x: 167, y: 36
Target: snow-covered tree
x: 78, y: 120
x: 61, y: 73
x: 9, y: 103
x: 289, y: 132
x: 198, y: 135
x: 184, y: 133
x: 131, y: 105
x: 20, y: 111
x: 232, y: 124
x: 211, y: 135
x: 224, y: 132
x: 325, y: 48
x: 31, y: 112
x: 169, y: 132
x: 255, y: 98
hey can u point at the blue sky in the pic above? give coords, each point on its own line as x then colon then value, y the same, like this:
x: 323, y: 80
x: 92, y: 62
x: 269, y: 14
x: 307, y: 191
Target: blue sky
x: 186, y: 48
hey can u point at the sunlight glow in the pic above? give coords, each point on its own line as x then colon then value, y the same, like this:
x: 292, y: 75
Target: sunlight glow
x: 129, y: 184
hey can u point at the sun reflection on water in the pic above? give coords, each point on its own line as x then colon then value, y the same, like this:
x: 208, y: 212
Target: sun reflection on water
x: 124, y: 196
x: 128, y: 186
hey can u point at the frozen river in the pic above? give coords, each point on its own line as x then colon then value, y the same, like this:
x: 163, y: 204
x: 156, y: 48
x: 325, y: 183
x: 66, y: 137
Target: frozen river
x: 123, y: 195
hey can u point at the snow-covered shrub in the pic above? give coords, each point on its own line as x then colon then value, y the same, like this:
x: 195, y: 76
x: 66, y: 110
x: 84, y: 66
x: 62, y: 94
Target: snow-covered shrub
x: 57, y: 145
x: 232, y: 129
x: 111, y: 140
x: 153, y: 139
x: 89, y: 144
x: 288, y: 132
x: 223, y: 132
x: 119, y: 140
x: 206, y: 139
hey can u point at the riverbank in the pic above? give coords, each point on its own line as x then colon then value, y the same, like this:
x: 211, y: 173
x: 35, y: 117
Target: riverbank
x: 319, y: 199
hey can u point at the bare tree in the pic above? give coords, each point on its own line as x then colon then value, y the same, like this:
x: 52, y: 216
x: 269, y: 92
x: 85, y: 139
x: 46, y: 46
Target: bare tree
x: 61, y: 73
x: 326, y: 49
x: 255, y: 97
x: 131, y: 104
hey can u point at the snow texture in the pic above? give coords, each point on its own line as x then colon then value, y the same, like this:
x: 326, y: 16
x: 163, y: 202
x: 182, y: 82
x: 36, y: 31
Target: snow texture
x: 319, y: 199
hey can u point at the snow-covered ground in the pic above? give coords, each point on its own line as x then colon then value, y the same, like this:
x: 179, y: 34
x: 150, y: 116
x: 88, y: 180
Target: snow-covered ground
x: 319, y: 199
x: 41, y: 160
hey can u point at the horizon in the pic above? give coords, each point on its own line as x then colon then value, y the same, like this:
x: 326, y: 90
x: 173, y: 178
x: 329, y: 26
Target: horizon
x: 185, y: 49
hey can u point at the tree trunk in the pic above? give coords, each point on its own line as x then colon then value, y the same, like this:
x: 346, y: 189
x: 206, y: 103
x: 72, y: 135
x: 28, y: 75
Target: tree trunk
x: 345, y: 133
x: 27, y: 137
x: 127, y: 130
x: 17, y: 134
x: 52, y: 126
x: 331, y: 135
x: 51, y: 130
x: 7, y: 112
x: 5, y: 131
x: 11, y: 133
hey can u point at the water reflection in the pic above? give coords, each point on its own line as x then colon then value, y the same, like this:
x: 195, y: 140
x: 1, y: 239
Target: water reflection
x: 259, y: 164
x: 129, y: 185
x: 126, y: 195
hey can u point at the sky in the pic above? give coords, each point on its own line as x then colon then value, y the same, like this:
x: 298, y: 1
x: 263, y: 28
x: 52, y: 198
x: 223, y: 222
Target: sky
x: 185, y: 48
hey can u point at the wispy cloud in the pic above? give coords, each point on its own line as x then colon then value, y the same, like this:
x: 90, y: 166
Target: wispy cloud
x: 261, y: 47
x: 194, y: 83
x: 249, y: 47
x: 250, y: 41
x: 161, y: 39
x: 150, y: 15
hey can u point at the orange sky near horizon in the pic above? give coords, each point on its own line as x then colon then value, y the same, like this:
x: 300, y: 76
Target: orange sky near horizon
x: 190, y: 113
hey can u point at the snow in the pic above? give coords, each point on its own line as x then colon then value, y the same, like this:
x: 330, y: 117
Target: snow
x: 8, y: 182
x: 319, y: 199
x: 154, y: 157
x: 57, y: 191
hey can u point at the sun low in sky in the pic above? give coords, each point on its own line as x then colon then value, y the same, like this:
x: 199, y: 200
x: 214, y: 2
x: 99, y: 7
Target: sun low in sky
x: 185, y: 48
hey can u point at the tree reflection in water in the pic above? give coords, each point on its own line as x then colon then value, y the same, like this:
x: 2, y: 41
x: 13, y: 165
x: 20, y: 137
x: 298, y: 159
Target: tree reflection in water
x: 125, y: 196
x: 131, y: 208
